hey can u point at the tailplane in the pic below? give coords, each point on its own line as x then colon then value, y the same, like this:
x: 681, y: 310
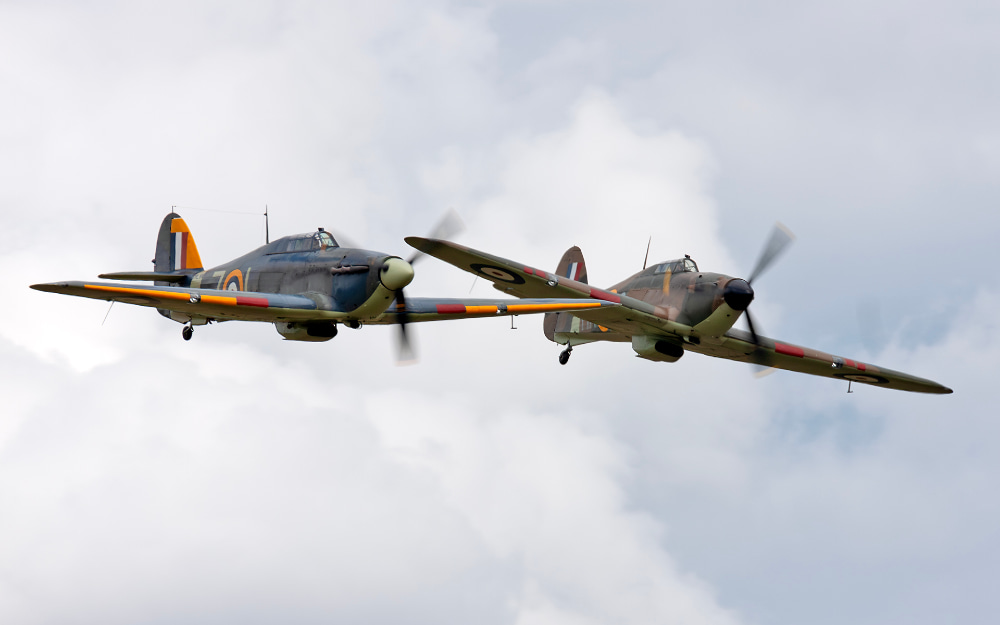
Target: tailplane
x: 573, y: 267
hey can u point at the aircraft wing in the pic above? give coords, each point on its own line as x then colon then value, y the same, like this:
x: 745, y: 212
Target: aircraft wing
x: 444, y: 309
x: 506, y: 275
x: 269, y: 307
x: 738, y: 345
x: 209, y: 303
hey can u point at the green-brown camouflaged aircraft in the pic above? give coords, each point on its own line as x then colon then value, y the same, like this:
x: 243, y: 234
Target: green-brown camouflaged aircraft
x: 666, y: 310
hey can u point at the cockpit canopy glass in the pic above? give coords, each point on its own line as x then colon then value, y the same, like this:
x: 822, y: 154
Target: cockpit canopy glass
x: 308, y: 242
x: 325, y: 239
x: 676, y: 266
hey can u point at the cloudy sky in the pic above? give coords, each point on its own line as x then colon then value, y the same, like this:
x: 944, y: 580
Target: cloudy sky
x: 242, y: 478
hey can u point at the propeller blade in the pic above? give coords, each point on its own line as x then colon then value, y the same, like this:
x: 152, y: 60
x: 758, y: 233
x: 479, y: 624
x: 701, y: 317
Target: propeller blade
x: 762, y: 360
x: 405, y: 354
x: 780, y: 239
x: 449, y: 225
x: 753, y: 333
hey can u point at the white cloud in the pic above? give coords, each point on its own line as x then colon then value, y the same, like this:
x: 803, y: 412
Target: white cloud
x: 240, y: 477
x: 596, y: 182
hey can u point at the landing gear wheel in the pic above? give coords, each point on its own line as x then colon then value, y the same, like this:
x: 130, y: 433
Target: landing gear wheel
x: 564, y: 355
x: 187, y: 332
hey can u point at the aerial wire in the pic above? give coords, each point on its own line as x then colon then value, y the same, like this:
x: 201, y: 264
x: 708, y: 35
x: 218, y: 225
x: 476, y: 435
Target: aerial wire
x: 107, y: 313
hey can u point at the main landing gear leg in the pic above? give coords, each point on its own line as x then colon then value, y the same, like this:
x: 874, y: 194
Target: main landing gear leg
x: 187, y: 332
x: 564, y: 355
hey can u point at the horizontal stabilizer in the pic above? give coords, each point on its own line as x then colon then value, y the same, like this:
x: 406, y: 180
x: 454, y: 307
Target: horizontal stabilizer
x: 146, y: 276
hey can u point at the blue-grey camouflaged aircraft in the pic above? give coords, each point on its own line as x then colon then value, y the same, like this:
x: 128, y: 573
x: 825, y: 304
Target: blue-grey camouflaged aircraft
x: 664, y: 311
x: 304, y: 284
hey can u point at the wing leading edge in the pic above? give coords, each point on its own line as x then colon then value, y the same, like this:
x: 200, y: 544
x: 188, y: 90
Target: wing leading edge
x: 209, y: 303
x: 444, y: 309
x: 270, y: 307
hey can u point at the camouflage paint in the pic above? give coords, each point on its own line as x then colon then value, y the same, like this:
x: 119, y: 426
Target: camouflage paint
x: 661, y: 310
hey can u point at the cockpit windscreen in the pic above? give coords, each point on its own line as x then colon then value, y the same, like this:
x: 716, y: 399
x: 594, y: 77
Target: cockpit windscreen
x: 676, y: 266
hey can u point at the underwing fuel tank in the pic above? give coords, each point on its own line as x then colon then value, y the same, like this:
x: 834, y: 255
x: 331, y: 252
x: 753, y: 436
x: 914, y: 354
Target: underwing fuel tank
x: 314, y: 331
x: 655, y: 348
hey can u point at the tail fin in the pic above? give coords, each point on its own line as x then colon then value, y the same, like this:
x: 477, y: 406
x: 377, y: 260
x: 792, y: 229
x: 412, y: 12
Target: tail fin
x: 175, y: 248
x: 571, y: 266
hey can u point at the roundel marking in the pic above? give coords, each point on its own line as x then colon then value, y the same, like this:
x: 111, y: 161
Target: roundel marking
x: 234, y: 281
x: 497, y: 273
x: 859, y: 377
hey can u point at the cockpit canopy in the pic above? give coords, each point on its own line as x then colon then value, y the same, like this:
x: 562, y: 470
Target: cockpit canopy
x: 312, y: 241
x: 676, y: 266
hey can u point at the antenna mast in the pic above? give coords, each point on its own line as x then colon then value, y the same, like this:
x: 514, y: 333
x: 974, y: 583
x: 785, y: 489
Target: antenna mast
x: 267, y: 229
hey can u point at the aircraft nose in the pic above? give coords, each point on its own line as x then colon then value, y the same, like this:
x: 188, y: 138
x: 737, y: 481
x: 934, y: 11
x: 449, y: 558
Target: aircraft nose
x: 738, y: 294
x: 395, y: 273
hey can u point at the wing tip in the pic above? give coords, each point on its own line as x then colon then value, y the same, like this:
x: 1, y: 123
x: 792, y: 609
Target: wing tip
x: 49, y: 287
x: 423, y: 244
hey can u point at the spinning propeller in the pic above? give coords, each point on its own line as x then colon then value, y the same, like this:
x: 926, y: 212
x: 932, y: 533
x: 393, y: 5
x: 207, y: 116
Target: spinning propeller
x: 449, y: 225
x: 739, y: 293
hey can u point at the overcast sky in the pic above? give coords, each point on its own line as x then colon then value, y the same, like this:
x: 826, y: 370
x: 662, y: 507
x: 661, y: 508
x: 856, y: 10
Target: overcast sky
x: 241, y: 478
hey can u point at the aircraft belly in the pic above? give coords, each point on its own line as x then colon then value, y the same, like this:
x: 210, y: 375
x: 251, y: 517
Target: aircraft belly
x: 578, y: 339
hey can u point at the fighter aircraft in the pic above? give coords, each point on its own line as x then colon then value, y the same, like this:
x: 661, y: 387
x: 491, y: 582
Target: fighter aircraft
x: 305, y: 284
x: 665, y: 310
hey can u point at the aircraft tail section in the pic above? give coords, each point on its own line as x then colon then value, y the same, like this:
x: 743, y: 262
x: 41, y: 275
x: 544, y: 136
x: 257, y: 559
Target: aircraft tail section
x: 573, y: 267
x: 175, y: 247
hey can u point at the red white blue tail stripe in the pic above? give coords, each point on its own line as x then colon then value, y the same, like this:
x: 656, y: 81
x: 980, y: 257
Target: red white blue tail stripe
x: 573, y: 271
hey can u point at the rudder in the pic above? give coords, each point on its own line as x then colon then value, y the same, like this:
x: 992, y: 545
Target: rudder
x: 573, y: 267
x: 175, y: 246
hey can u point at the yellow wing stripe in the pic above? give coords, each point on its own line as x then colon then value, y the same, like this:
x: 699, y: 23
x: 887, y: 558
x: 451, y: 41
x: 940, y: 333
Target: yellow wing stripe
x: 513, y: 309
x: 209, y: 299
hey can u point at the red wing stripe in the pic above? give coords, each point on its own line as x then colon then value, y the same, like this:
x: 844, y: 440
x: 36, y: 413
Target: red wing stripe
x: 252, y: 301
x: 450, y: 309
x: 604, y: 295
x: 789, y: 350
